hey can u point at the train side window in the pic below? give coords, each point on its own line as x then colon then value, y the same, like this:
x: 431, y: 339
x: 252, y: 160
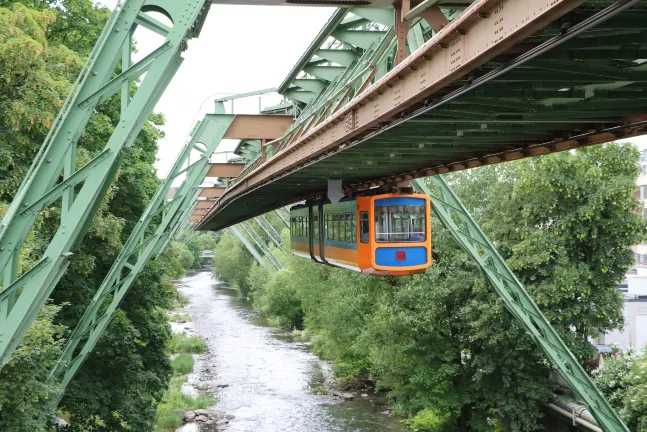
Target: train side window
x: 326, y: 226
x: 315, y: 227
x: 307, y: 223
x: 353, y: 228
x: 363, y: 227
x: 335, y: 227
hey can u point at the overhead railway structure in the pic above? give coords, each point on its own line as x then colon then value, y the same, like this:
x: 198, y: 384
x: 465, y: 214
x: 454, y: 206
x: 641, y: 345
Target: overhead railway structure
x: 385, y: 94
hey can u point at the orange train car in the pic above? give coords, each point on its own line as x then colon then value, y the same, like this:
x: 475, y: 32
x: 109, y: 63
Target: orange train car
x: 380, y: 235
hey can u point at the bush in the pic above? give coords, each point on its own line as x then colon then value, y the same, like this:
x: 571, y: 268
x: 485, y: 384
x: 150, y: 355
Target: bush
x: 182, y: 364
x: 174, y: 404
x: 624, y: 382
x: 182, y: 344
x: 179, y: 317
x: 430, y: 421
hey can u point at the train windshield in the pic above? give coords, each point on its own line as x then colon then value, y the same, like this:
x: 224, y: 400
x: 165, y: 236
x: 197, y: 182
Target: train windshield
x: 400, y: 220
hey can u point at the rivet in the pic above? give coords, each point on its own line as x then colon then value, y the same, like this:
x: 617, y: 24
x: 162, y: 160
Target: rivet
x: 1, y: 249
x: 25, y: 205
x: 49, y: 161
x: 94, y: 74
x: 117, y: 31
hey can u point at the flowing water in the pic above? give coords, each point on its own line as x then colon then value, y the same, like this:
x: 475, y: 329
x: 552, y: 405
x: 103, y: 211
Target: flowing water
x: 259, y: 375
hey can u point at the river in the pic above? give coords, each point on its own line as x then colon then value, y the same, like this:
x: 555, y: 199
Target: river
x: 259, y: 375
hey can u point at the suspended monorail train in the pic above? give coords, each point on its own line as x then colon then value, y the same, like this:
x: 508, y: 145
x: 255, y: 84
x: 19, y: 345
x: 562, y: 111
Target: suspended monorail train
x: 380, y: 235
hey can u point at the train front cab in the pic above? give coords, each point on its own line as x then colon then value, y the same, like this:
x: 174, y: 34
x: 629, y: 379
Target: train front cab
x: 394, y: 234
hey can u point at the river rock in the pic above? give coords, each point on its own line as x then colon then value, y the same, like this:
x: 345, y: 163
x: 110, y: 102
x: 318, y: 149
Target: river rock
x: 223, y: 385
x: 364, y: 395
x: 201, y: 418
x: 202, y: 412
x: 189, y: 416
x: 343, y: 395
x: 222, y: 422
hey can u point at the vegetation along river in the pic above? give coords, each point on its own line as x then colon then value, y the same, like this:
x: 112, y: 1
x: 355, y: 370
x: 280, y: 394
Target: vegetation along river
x: 259, y: 375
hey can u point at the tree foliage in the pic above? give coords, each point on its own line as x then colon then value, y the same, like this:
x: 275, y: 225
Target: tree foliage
x: 42, y: 47
x: 442, y: 343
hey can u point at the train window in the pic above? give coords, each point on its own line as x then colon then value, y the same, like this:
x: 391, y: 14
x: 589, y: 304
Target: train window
x: 335, y: 227
x: 347, y: 228
x: 400, y: 223
x: 327, y: 227
x: 315, y: 227
x: 293, y: 224
x: 363, y: 226
x: 307, y: 226
x: 353, y: 228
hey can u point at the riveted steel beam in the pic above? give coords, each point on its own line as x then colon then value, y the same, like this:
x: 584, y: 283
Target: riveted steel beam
x: 145, y: 242
x: 58, y: 153
x: 469, y: 236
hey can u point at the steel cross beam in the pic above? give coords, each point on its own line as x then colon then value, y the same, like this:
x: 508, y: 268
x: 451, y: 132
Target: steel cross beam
x: 261, y: 244
x: 467, y: 233
x: 161, y: 220
x: 58, y: 153
x: 278, y: 213
x: 252, y: 250
x: 271, y: 233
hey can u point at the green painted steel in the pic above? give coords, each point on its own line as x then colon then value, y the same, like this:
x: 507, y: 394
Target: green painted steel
x: 158, y: 224
x: 468, y: 234
x: 58, y: 154
x: 251, y: 233
x: 581, y: 90
x: 252, y: 250
x: 270, y: 231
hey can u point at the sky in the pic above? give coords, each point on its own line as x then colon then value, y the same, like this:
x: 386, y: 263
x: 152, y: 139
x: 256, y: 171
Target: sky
x: 240, y: 49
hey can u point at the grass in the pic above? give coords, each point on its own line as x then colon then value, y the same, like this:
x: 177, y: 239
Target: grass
x: 182, y: 344
x: 179, y: 317
x: 320, y: 390
x: 174, y: 404
x: 182, y: 364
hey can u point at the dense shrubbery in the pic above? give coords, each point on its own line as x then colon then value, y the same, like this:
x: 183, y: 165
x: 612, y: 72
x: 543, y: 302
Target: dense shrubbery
x: 42, y: 47
x: 441, y: 343
x: 623, y: 381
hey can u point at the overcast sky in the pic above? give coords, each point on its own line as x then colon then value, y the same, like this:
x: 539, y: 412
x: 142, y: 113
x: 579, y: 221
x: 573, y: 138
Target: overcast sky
x: 240, y: 49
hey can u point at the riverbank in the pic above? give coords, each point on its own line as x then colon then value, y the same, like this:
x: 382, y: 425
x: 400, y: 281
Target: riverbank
x: 260, y: 376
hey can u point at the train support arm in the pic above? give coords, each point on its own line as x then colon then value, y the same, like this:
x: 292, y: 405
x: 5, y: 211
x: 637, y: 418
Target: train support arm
x: 468, y: 234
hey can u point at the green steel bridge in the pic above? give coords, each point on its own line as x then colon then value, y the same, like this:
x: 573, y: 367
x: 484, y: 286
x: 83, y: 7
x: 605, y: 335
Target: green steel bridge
x: 388, y: 92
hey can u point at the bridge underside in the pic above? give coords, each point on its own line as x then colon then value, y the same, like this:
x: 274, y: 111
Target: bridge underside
x: 589, y: 90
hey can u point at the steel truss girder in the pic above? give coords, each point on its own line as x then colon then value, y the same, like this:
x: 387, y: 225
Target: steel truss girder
x: 141, y: 247
x: 58, y: 153
x: 468, y: 234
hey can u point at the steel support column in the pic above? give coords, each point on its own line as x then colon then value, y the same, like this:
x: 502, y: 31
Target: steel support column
x: 155, y: 228
x: 271, y: 233
x: 252, y: 250
x: 261, y: 244
x: 95, y: 84
x: 467, y: 233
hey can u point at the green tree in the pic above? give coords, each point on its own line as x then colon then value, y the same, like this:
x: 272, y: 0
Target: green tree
x: 442, y: 343
x: 232, y: 262
x: 42, y: 47
x: 623, y: 381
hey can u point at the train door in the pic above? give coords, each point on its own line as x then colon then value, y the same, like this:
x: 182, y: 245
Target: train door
x: 363, y: 216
